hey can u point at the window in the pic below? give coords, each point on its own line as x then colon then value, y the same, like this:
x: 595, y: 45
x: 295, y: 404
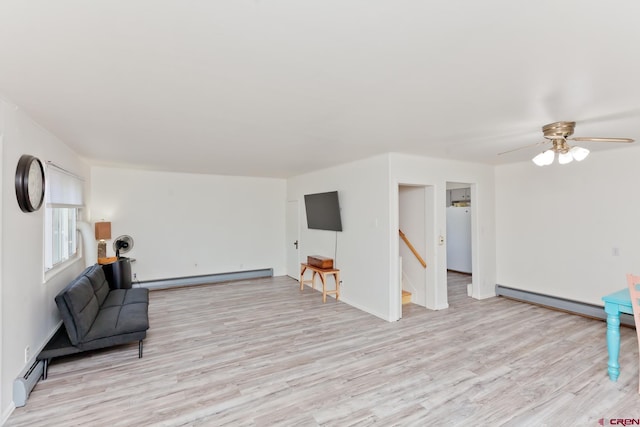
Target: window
x: 64, y: 200
x: 60, y: 235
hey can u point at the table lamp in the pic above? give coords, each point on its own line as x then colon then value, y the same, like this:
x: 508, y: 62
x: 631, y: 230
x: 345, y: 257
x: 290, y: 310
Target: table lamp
x: 103, y: 232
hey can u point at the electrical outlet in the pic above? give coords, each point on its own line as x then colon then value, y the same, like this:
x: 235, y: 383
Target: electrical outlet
x: 26, y: 354
x: 135, y: 276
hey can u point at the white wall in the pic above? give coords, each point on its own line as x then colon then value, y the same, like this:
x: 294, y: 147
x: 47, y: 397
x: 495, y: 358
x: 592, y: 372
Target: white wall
x: 5, y: 406
x: 369, y: 245
x: 416, y: 170
x: 191, y: 224
x: 29, y: 314
x: 363, y: 245
x: 557, y: 226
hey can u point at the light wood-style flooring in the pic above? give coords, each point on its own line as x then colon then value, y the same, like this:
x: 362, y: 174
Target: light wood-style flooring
x: 263, y: 353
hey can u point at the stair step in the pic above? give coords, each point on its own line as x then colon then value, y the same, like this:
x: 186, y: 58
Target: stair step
x: 406, y: 297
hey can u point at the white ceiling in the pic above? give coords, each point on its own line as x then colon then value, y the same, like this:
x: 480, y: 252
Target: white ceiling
x: 279, y: 87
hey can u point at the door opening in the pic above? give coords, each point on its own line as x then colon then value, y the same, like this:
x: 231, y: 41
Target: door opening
x: 293, y: 239
x: 459, y: 239
x: 416, y: 246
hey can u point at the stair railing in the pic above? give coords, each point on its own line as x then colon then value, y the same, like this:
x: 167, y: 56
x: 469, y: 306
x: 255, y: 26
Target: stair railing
x: 413, y: 250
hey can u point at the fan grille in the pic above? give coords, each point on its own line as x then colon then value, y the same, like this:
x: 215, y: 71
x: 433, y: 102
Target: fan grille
x: 122, y: 244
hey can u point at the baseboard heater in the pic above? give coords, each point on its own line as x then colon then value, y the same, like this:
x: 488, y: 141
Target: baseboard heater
x: 576, y: 307
x: 206, y: 279
x: 27, y: 380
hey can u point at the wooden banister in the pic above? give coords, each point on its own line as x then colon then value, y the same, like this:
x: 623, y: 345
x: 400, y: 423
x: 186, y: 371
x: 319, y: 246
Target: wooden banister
x: 415, y: 252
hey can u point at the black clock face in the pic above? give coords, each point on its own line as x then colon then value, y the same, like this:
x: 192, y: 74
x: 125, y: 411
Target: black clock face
x: 29, y: 183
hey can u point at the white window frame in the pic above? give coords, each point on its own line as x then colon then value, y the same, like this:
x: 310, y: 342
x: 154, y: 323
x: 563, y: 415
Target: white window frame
x: 61, y: 241
x: 65, y: 197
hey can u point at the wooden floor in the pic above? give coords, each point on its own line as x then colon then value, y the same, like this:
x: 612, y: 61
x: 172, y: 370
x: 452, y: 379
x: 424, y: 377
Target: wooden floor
x: 263, y: 353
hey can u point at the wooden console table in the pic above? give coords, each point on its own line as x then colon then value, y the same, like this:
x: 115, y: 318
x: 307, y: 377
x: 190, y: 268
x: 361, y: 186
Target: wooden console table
x: 323, y: 273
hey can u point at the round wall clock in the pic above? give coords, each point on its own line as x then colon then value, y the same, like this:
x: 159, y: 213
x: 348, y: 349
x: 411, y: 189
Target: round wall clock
x: 29, y: 183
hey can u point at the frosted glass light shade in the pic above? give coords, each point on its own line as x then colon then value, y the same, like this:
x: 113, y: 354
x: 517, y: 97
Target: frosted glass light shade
x: 544, y: 159
x: 564, y: 158
x: 579, y: 153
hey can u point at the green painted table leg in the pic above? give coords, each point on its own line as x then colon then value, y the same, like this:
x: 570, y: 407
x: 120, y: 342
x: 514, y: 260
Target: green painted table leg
x: 613, y: 339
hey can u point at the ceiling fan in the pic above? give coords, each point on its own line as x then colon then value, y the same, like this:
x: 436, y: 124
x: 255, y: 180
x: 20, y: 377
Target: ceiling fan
x: 558, y: 133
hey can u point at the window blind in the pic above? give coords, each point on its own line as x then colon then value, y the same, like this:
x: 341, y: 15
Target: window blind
x: 63, y: 188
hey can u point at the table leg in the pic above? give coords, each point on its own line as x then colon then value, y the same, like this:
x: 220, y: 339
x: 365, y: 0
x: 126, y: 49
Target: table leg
x: 337, y: 277
x: 302, y: 270
x: 613, y: 339
x: 324, y: 288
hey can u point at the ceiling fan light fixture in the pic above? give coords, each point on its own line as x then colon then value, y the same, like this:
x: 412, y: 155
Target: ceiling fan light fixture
x: 544, y: 159
x: 564, y: 158
x: 559, y: 134
x: 579, y: 153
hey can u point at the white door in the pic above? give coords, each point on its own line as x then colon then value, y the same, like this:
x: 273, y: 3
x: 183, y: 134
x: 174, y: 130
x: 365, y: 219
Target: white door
x: 293, y: 239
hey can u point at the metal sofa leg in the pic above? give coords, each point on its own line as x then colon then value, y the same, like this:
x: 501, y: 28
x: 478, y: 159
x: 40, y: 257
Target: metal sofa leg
x: 140, y: 349
x: 45, y: 368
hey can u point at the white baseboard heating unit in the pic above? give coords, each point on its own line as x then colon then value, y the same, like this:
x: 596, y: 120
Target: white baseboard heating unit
x: 581, y: 308
x: 27, y: 380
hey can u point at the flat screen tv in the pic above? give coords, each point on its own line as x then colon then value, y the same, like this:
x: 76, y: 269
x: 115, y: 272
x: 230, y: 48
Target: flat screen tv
x: 323, y: 211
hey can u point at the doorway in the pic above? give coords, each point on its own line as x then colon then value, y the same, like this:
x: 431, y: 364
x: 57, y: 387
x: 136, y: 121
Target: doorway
x: 293, y: 239
x: 459, y: 236
x: 416, y: 245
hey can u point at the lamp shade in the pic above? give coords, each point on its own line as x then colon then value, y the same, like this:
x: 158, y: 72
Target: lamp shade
x: 579, y: 153
x: 544, y: 159
x: 564, y: 158
x: 103, y: 230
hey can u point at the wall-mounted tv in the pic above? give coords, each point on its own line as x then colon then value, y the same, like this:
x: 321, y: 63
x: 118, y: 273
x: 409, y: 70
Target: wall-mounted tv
x: 323, y: 211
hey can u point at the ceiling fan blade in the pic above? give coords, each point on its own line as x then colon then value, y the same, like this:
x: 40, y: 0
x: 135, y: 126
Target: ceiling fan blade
x: 522, y: 148
x: 597, y: 139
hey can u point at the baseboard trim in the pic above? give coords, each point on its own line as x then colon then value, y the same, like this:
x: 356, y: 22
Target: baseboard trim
x: 362, y: 308
x: 205, y: 279
x: 7, y: 413
x: 570, y: 306
x: 460, y: 272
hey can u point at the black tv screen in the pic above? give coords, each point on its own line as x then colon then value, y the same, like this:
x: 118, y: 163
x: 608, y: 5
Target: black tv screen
x: 323, y: 211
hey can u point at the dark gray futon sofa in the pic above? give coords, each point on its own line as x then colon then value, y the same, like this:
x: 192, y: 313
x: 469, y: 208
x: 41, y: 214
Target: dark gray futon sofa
x: 95, y: 316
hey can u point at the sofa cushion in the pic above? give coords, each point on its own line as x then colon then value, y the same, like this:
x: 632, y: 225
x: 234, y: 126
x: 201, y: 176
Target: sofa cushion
x: 119, y: 320
x: 95, y: 273
x: 136, y: 295
x: 126, y: 296
x: 83, y: 305
x: 67, y: 318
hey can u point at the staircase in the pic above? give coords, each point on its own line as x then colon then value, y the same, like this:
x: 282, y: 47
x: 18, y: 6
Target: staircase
x: 406, y: 297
